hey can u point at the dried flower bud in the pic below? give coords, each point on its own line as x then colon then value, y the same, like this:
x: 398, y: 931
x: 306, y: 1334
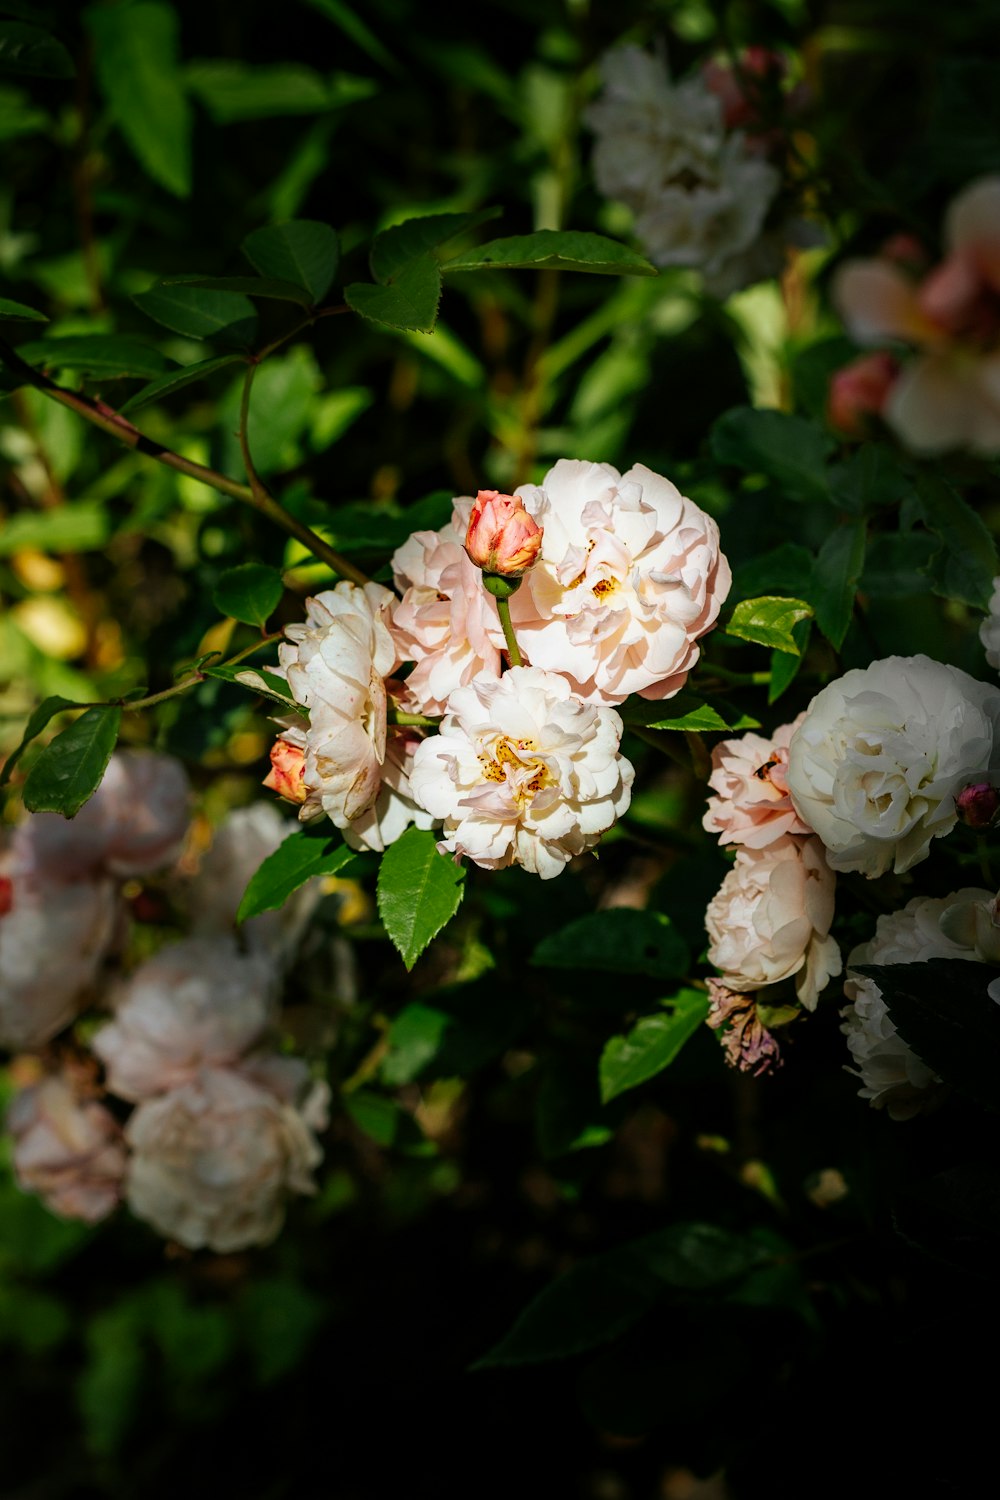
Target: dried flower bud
x: 6, y: 894
x: 287, y: 773
x: 978, y: 804
x: 502, y: 538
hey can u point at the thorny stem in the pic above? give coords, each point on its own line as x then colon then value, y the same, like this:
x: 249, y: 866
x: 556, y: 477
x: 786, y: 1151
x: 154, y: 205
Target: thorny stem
x: 503, y: 610
x: 98, y: 414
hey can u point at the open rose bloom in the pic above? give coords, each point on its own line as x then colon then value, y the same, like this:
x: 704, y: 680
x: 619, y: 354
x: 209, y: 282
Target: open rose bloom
x: 752, y: 805
x: 67, y: 1148
x: 947, y: 395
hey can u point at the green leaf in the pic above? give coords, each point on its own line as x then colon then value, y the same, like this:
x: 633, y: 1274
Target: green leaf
x: 784, y: 666
x: 268, y: 288
x: 965, y: 567
x: 233, y: 91
x: 598, y: 1299
x: 250, y: 593
x: 942, y: 1009
x: 769, y: 622
x: 411, y: 302
x: 685, y: 712
x: 790, y: 451
x: 32, y: 53
x: 419, y: 890
x: 45, y: 711
x: 258, y: 680
x: 621, y: 940
x: 896, y: 564
x: 71, y: 767
x: 555, y: 250
x: 199, y: 313
x: 871, y: 478
x: 176, y: 380
x: 135, y: 52
x: 414, y: 1040
x: 9, y: 309
x: 376, y: 1115
x: 835, y: 580
x: 315, y: 849
x: 351, y: 25
x: 112, y: 355
x: 303, y: 251
x: 786, y: 569
x: 396, y: 247
x: 69, y: 528
x: 651, y: 1045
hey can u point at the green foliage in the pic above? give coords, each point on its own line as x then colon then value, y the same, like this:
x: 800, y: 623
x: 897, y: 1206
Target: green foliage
x: 310, y: 851
x: 686, y: 712
x: 419, y: 891
x: 72, y: 765
x: 554, y: 250
x: 395, y: 248
x: 32, y: 52
x: 966, y: 564
x: 201, y: 312
x: 39, y: 720
x: 251, y: 593
x: 835, y: 580
x: 621, y: 941
x: 113, y: 356
x: 789, y: 450
x: 652, y: 1044
x: 176, y: 380
x: 408, y: 301
x: 18, y: 311
x: 302, y: 252
x: 769, y: 622
x: 136, y: 55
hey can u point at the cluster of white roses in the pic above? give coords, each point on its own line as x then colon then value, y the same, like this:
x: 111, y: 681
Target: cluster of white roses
x: 695, y: 161
x: 882, y: 762
x: 222, y: 1128
x: 621, y: 577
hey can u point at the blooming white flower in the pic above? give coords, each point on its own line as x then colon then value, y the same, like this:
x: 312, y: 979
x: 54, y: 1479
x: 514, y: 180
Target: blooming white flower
x: 522, y: 773
x: 770, y: 919
x: 989, y: 630
x: 752, y: 806
x: 394, y: 809
x: 876, y: 762
x: 629, y: 577
x: 197, y: 1003
x: 336, y: 664
x: 892, y: 1075
x: 699, y: 195
x: 214, y: 1161
x: 446, y: 622
x: 67, y: 1148
x: 53, y: 940
x: 135, y: 822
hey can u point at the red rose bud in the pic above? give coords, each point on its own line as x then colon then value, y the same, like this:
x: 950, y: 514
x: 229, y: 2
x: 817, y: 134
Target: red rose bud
x: 6, y: 894
x: 977, y: 804
x: 502, y: 538
x: 859, y: 391
x: 287, y: 773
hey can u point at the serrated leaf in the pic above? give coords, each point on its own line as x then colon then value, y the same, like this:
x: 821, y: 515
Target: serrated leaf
x: 396, y: 247
x: 258, y: 680
x: 30, y: 52
x: 303, y: 251
x: 942, y: 1009
x: 250, y: 593
x: 685, y: 712
x: 965, y: 567
x: 269, y: 288
x: 835, y: 580
x: 316, y: 849
x: 790, y: 451
x: 555, y: 250
x: 419, y: 891
x: 411, y: 302
x: 871, y: 478
x: 45, y: 711
x: 769, y: 622
x: 68, y: 528
x: 176, y: 380
x: 135, y: 52
x: 651, y: 1045
x: 199, y: 313
x: 620, y: 940
x: 113, y: 355
x: 70, y: 768
x: 9, y: 309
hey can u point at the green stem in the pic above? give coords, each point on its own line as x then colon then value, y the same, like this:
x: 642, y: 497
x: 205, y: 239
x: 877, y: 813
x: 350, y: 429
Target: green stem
x: 503, y: 610
x: 129, y: 705
x: 739, y: 679
x: 416, y: 721
x: 112, y: 422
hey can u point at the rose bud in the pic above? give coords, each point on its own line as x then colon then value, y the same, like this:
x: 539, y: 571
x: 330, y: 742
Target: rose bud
x: 977, y: 804
x: 6, y: 894
x: 859, y: 391
x: 502, y: 539
x: 287, y: 773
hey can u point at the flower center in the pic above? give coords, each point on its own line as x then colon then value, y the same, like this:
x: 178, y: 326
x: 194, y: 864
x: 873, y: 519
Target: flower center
x: 511, y: 761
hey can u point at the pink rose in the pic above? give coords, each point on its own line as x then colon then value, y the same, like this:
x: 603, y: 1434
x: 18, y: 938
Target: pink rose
x: 67, y: 1148
x: 753, y: 806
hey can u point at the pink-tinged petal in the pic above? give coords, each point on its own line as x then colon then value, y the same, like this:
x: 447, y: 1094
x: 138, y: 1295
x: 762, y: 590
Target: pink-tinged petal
x: 972, y: 226
x: 948, y: 296
x: 877, y: 302
x: 859, y: 391
x: 928, y: 407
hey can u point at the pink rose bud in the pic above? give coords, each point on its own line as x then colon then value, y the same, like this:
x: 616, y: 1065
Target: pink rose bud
x: 6, y: 894
x: 287, y: 773
x: 502, y: 538
x: 859, y: 391
x: 904, y: 250
x: 977, y: 804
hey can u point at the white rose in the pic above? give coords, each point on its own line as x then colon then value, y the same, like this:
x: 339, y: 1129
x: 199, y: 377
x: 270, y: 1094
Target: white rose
x: 394, y: 809
x: 197, y: 1003
x: 67, y: 1148
x: 629, y: 577
x: 214, y: 1161
x: 989, y: 630
x: 522, y: 773
x: 770, y: 919
x: 876, y: 762
x: 893, y: 1076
